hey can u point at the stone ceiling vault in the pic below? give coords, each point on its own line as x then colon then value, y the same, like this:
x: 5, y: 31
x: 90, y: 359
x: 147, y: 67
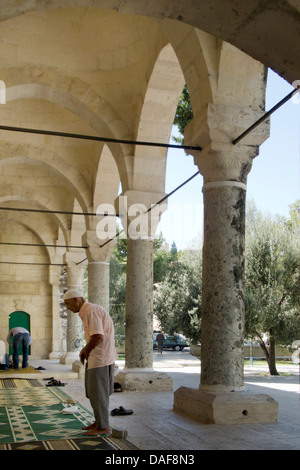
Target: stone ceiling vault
x: 116, y: 69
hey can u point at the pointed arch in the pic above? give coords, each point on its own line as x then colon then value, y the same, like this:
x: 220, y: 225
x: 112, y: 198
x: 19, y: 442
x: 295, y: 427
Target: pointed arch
x: 156, y: 120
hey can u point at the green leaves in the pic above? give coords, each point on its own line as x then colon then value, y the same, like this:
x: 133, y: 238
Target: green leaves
x: 273, y: 276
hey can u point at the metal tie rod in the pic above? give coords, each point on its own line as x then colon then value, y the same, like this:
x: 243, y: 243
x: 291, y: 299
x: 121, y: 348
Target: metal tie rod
x: 43, y: 211
x: 35, y: 264
x: 150, y: 209
x: 42, y: 245
x: 266, y: 115
x: 98, y: 139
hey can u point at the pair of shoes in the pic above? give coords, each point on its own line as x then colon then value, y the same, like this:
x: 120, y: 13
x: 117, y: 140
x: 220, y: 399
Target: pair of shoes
x: 55, y: 383
x: 98, y: 432
x: 121, y: 411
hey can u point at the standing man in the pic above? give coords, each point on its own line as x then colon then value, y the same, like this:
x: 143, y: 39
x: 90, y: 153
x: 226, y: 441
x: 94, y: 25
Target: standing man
x: 160, y: 342
x: 15, y: 338
x: 100, y: 355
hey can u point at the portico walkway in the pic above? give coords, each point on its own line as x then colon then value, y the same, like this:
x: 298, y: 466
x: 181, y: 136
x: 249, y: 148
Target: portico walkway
x: 155, y: 426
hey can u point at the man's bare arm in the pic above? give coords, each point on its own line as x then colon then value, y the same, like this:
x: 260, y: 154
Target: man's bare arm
x: 93, y: 342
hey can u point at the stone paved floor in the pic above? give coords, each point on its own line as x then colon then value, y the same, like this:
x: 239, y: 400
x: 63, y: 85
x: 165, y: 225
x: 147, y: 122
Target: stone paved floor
x: 155, y: 426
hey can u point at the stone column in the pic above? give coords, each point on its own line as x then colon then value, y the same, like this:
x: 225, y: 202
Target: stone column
x: 75, y: 274
x: 140, y: 227
x: 139, y: 305
x: 54, y: 278
x: 98, y: 268
x: 221, y: 397
x: 222, y: 323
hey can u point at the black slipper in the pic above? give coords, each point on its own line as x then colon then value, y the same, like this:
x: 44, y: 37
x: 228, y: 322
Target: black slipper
x: 121, y: 411
x: 55, y: 383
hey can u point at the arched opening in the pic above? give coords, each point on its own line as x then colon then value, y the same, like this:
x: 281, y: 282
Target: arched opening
x: 17, y: 319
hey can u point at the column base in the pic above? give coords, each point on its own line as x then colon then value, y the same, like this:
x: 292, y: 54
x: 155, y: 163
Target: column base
x: 144, y: 380
x: 79, y: 368
x: 69, y: 357
x: 55, y: 355
x: 226, y: 407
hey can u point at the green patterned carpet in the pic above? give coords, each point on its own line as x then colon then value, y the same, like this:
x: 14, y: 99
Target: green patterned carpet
x: 31, y: 418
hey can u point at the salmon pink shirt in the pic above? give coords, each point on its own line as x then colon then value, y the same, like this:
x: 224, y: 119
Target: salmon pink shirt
x: 96, y: 321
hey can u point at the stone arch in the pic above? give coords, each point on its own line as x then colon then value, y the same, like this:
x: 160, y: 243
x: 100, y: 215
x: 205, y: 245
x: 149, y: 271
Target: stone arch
x: 68, y: 228
x: 198, y: 56
x: 157, y: 115
x: 107, y: 179
x: 36, y: 198
x: 243, y: 25
x: 34, y: 223
x: 78, y: 225
x: 81, y: 99
x: 241, y: 77
x: 52, y: 163
x: 16, y: 305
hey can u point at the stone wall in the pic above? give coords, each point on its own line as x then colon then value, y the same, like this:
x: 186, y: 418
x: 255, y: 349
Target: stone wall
x: 25, y: 287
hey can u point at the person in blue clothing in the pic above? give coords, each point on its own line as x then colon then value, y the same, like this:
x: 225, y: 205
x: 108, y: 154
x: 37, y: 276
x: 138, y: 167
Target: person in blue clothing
x: 15, y: 338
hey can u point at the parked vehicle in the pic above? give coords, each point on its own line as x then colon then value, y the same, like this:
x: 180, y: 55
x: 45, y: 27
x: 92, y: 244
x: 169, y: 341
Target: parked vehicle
x: 175, y: 342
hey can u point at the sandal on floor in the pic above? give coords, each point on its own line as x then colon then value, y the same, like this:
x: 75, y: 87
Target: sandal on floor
x: 121, y: 411
x: 55, y: 383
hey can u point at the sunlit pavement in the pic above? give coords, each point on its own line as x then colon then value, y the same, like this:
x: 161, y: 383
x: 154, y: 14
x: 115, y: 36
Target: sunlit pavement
x: 155, y: 426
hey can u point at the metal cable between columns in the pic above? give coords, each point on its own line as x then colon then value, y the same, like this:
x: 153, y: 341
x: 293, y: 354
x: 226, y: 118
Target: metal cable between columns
x: 151, y: 208
x: 104, y: 139
x: 97, y: 138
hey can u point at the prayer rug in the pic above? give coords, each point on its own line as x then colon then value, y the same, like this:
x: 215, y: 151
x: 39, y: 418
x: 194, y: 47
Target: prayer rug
x: 35, y: 413
x: 32, y: 418
x: 19, y: 383
x: 31, y: 396
x: 41, y: 422
x: 27, y: 370
x: 83, y: 443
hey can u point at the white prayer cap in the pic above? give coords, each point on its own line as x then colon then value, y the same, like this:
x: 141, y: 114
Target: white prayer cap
x: 72, y: 293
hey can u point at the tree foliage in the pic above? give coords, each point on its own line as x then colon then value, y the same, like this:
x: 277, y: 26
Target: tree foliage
x: 177, y: 300
x: 184, y: 114
x: 118, y: 265
x: 272, y: 281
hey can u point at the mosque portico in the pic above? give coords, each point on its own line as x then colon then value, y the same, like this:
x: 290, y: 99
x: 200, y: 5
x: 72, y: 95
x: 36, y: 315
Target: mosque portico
x: 115, y: 70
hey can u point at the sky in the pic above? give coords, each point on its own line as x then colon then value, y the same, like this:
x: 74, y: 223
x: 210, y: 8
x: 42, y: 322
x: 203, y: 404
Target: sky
x: 273, y: 182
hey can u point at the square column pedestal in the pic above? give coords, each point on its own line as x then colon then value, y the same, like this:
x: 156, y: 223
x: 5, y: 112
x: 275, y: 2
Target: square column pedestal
x: 225, y: 407
x: 144, y: 380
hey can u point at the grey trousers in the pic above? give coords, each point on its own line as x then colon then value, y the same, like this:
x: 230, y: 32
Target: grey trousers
x: 99, y: 385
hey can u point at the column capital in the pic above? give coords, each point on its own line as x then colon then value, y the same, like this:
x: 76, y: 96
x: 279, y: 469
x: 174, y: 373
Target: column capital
x: 76, y: 265
x: 72, y: 258
x: 215, y: 130
x: 95, y: 251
